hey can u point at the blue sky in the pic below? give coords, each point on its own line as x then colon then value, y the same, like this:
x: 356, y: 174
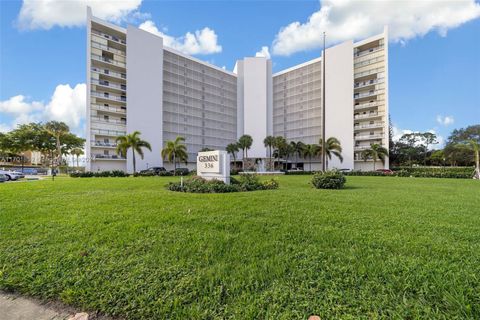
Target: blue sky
x: 434, y: 57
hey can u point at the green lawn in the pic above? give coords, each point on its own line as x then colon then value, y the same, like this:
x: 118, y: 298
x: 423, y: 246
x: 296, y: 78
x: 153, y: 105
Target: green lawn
x: 382, y: 248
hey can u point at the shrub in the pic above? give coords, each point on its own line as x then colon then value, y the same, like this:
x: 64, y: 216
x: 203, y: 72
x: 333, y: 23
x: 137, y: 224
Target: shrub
x: 165, y: 174
x: 200, y: 185
x: 100, y: 174
x: 329, y: 180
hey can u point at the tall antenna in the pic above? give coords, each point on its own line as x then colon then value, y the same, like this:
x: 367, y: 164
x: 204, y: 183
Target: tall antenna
x: 324, y: 155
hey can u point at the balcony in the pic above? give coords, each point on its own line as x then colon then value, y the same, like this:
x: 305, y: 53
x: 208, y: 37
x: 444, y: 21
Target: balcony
x: 361, y: 148
x: 369, y: 126
x: 107, y: 48
x: 368, y: 62
x: 109, y: 61
x: 368, y: 115
x: 108, y: 157
x: 109, y: 73
x: 368, y: 72
x: 368, y: 51
x: 109, y: 84
x: 112, y: 121
x: 366, y: 105
x: 367, y: 83
x: 103, y: 144
x: 369, y: 137
x: 109, y: 37
x: 108, y: 96
x: 109, y: 133
x: 108, y: 109
x: 371, y: 93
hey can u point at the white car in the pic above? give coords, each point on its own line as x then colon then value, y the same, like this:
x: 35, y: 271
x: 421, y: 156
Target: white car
x: 12, y: 175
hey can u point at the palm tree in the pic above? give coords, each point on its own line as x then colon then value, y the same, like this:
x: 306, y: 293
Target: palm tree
x: 297, y: 148
x: 332, y: 147
x: 232, y: 148
x: 280, y: 145
x: 476, y: 147
x: 76, y: 152
x: 175, y: 151
x: 132, y: 141
x: 309, y: 151
x: 376, y: 152
x: 245, y: 143
x: 269, y: 142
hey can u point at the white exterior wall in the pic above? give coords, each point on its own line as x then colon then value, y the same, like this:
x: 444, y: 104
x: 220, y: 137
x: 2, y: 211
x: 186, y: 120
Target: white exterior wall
x: 145, y: 94
x: 257, y: 102
x: 339, y: 101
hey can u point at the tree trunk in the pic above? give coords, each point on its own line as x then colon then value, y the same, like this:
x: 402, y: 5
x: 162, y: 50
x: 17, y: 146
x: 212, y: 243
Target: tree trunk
x: 134, y: 164
x: 477, y: 166
x: 174, y: 164
x: 374, y: 160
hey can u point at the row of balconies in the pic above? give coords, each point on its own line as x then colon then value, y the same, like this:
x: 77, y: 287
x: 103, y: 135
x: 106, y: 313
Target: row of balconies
x: 108, y: 108
x: 175, y: 68
x: 104, y: 144
x: 359, y: 95
x: 367, y: 105
x: 368, y: 62
x: 368, y: 115
x: 108, y: 157
x: 368, y: 126
x: 109, y: 133
x: 108, y: 120
x: 369, y: 72
x: 368, y: 137
x: 108, y: 96
x: 367, y: 83
x: 193, y: 82
x: 113, y: 85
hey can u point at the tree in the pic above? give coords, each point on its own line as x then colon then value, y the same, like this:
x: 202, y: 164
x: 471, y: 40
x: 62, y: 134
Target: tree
x: 427, y: 139
x: 309, y: 151
x: 437, y: 158
x: 297, y: 148
x: 269, y: 143
x: 376, y: 152
x: 280, y: 146
x: 175, y: 151
x: 77, y: 152
x: 410, y: 140
x: 245, y: 143
x: 332, y: 147
x: 57, y: 130
x: 232, y: 148
x: 132, y: 141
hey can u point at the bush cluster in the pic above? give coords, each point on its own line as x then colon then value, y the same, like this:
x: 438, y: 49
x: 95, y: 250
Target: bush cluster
x: 329, y: 180
x: 421, y: 172
x: 100, y: 174
x: 152, y: 174
x: 248, y: 182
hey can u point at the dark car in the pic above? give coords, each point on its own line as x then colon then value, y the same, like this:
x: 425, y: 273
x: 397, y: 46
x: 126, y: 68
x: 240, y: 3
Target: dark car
x: 181, y: 171
x: 385, y: 171
x: 154, y: 170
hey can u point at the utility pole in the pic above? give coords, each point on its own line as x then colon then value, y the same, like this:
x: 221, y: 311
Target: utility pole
x: 324, y: 155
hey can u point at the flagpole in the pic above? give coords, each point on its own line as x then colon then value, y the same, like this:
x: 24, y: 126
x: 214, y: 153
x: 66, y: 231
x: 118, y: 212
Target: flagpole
x: 324, y: 143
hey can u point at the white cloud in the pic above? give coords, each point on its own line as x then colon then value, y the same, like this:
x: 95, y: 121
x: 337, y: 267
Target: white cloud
x: 350, y: 19
x: 67, y: 104
x: 264, y: 52
x: 200, y: 42
x: 445, y: 121
x: 44, y: 14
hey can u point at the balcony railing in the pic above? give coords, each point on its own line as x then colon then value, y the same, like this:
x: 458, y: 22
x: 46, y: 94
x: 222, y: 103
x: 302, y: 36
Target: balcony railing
x: 369, y: 137
x: 108, y: 60
x: 367, y: 83
x: 110, y: 84
x: 361, y: 148
x: 110, y: 73
x: 108, y: 156
x: 111, y: 133
x: 107, y: 36
x: 108, y: 108
x: 368, y: 51
x: 368, y: 72
x: 104, y: 144
x: 367, y: 94
x: 114, y: 121
x: 366, y: 105
x: 367, y: 62
x: 109, y: 96
x: 368, y: 126
x: 368, y: 115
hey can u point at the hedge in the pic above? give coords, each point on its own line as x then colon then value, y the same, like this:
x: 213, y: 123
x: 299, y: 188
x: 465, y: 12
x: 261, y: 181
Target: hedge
x: 100, y: 174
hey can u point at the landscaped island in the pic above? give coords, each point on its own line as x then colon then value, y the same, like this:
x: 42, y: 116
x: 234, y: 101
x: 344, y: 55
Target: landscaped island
x: 383, y: 247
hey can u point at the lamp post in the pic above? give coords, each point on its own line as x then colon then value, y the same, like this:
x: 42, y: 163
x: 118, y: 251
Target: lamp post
x: 324, y: 158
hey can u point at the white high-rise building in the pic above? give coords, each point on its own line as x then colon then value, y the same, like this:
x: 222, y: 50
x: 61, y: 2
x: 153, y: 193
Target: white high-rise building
x: 135, y: 83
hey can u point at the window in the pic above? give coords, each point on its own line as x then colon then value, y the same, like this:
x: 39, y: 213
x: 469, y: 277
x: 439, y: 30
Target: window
x: 105, y: 152
x: 105, y: 118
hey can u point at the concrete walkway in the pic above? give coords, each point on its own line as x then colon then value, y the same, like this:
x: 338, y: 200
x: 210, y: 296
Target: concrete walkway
x: 14, y: 307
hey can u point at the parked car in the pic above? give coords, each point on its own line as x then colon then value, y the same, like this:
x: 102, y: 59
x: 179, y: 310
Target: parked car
x: 19, y: 174
x: 345, y: 170
x: 11, y: 175
x: 3, y: 178
x: 155, y: 170
x: 181, y: 171
x: 385, y: 171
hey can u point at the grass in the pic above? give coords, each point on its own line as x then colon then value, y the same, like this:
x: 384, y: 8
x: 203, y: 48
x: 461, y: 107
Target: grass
x: 381, y: 248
